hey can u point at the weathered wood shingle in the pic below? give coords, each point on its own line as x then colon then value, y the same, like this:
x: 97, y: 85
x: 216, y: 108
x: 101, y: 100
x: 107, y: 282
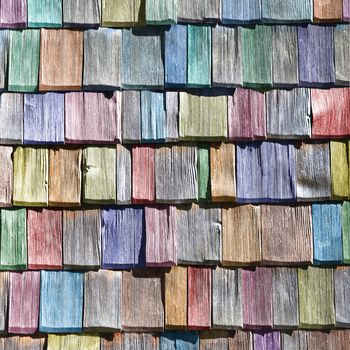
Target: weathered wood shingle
x: 161, y: 12
x: 81, y: 13
x: 297, y: 340
x: 339, y: 169
x: 342, y: 53
x: 44, y: 13
x: 123, y: 175
x: 172, y: 116
x: 345, y: 216
x: 6, y: 176
x: 131, y: 116
x: 13, y: 14
x: 4, y: 298
x: 73, y: 342
x: 4, y: 51
x: 290, y: 11
x: 267, y: 341
x: 191, y: 11
x: 241, y: 11
x: 341, y: 296
x: 203, y: 168
x: 328, y: 11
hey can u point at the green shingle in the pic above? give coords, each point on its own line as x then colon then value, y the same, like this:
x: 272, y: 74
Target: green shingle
x: 44, y: 13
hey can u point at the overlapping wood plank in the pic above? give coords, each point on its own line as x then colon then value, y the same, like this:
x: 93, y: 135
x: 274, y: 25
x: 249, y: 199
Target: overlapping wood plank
x: 328, y: 11
x: 13, y: 14
x: 4, y: 298
x: 6, y: 176
x: 172, y: 116
x: 44, y: 13
x: 188, y: 340
x: 241, y: 340
x: 342, y: 53
x: 81, y: 13
x: 191, y: 11
x: 341, y: 296
x: 267, y: 341
x: 204, y: 189
x: 131, y: 116
x: 339, y: 169
x: 345, y: 217
x: 288, y: 11
x: 159, y: 12
x: 73, y: 342
x: 123, y: 175
x: 214, y: 340
x: 297, y: 340
x: 241, y: 11
x: 4, y: 51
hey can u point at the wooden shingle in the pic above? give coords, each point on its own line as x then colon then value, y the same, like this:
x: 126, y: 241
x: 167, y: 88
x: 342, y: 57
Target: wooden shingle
x: 6, y: 176
x: 4, y: 51
x: 123, y: 175
x: 159, y: 12
x: 81, y: 13
x: 297, y: 340
x: 267, y: 341
x: 4, y: 298
x: 345, y: 216
x: 241, y: 11
x: 44, y: 13
x: 328, y: 11
x: 342, y: 53
x: 191, y: 11
x: 339, y: 169
x: 131, y: 116
x: 203, y: 168
x: 13, y: 14
x: 172, y: 116
x: 341, y: 296
x: 73, y: 342
x: 288, y: 11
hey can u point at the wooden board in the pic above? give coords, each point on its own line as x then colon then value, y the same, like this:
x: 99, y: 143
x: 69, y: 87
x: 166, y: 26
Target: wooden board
x: 346, y: 231
x: 24, y: 302
x: 142, y: 341
x: 289, y: 11
x: 175, y: 286
x: 112, y: 341
x: 4, y: 52
x: 328, y: 11
x: 161, y: 240
x: 81, y: 238
x: 313, y: 172
x: 341, y: 53
x: 179, y: 340
x: 44, y: 13
x: 246, y: 115
x: 346, y: 10
x: 297, y: 340
x: 44, y: 227
x: 203, y: 168
x: 73, y: 342
x: 131, y: 116
x: 334, y: 339
x: 316, y: 298
x: 198, y: 230
x: 13, y: 14
x: 4, y: 297
x: 102, y: 301
x: 191, y: 11
x: 241, y: 340
x: 23, y: 343
x: 227, y: 298
x: 6, y: 176
x: 102, y: 53
x: 199, y: 298
x: 339, y: 169
x: 13, y: 251
x: 214, y: 340
x: 241, y: 11
x: 123, y: 175
x: 99, y: 175
x: 257, y: 299
x: 142, y: 303
x: 61, y: 302
x: 23, y: 66
x: 267, y: 341
x: 172, y: 116
x: 341, y: 296
x: 81, y: 13
x: 222, y: 172
x: 160, y: 12
x: 286, y: 235
x: 241, y: 229
x: 123, y: 238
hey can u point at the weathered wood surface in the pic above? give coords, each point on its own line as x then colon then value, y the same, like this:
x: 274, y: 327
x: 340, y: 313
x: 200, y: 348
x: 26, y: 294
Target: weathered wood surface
x: 218, y: 340
x: 286, y: 235
x: 266, y: 172
x: 346, y: 10
x: 13, y: 14
x: 267, y: 341
x: 159, y: 12
x: 257, y: 52
x: 203, y: 168
x: 327, y: 234
x: 161, y: 242
x: 30, y: 176
x: 131, y: 116
x: 112, y: 341
x: 99, y: 175
x: 23, y: 343
x: 342, y: 54
x: 297, y: 340
x: 179, y: 340
x: 316, y: 298
x: 175, y: 286
x: 246, y: 115
x: 102, y: 53
x: 73, y: 342
x: 285, y: 298
x: 227, y: 305
x: 227, y: 56
x: 341, y: 296
x: 81, y: 238
x: 334, y: 339
x: 288, y: 114
x: 313, y: 172
x: 328, y: 11
x: 241, y: 229
x: 81, y: 13
x: 4, y: 52
x: 330, y: 113
x: 140, y: 341
x: 198, y: 56
x: 123, y: 175
x: 44, y: 229
x: 191, y: 11
x: 316, y: 56
x: 4, y: 297
x: 241, y: 340
x: 61, y: 60
x: 198, y: 231
x: 288, y: 11
x: 24, y: 302
x: 199, y: 298
x: 203, y: 117
x: 223, y: 172
x: 142, y: 303
x: 123, y: 238
x: 23, y: 66
x: 241, y: 11
x: 61, y: 302
x: 6, y: 176
x: 142, y: 64
x: 44, y: 13
x: 43, y: 118
x: 172, y: 116
x: 346, y: 231
x: 176, y: 174
x: 339, y: 169
x: 257, y: 298
x: 175, y: 52
x: 102, y: 300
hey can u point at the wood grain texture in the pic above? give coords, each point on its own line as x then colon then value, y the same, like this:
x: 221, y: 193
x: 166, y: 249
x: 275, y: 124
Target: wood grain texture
x: 288, y: 114
x: 341, y: 296
x: 214, y: 340
x: 123, y: 175
x: 241, y: 229
x: 227, y: 56
x: 191, y: 11
x: 73, y: 342
x: 328, y: 11
x: 11, y: 118
x: 81, y: 13
x: 222, y: 172
x: 285, y: 298
x: 23, y: 66
x: 241, y: 11
x: 44, y: 229
x: 140, y: 341
x: 313, y: 172
x: 203, y: 168
x: 102, y: 300
x: 198, y: 230
x: 341, y: 53
x: 30, y: 176
x: 102, y: 54
x: 297, y: 340
x: 339, y: 169
x: 286, y: 235
x: 131, y: 116
x: 246, y: 115
x: 316, y: 56
x: 61, y: 302
x: 172, y: 116
x: 123, y: 238
x: 24, y: 302
x: 327, y: 234
x: 13, y: 14
x: 99, y: 175
x: 176, y: 174
x: 257, y: 299
x: 329, y: 111
x: 4, y: 298
x: 81, y: 238
x: 112, y: 341
x: 161, y: 242
x: 160, y: 12
x: 316, y: 298
x: 43, y: 119
x: 334, y: 339
x: 346, y: 10
x: 44, y: 13
x: 23, y: 343
x: 175, y: 285
x: 227, y: 305
x: 179, y: 340
x: 4, y: 52
x: 199, y: 298
x: 6, y: 176
x: 241, y: 340
x: 289, y: 11
x: 345, y: 217
x: 142, y: 65
x: 61, y: 60
x: 267, y: 341
x: 202, y: 117
x: 142, y: 303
